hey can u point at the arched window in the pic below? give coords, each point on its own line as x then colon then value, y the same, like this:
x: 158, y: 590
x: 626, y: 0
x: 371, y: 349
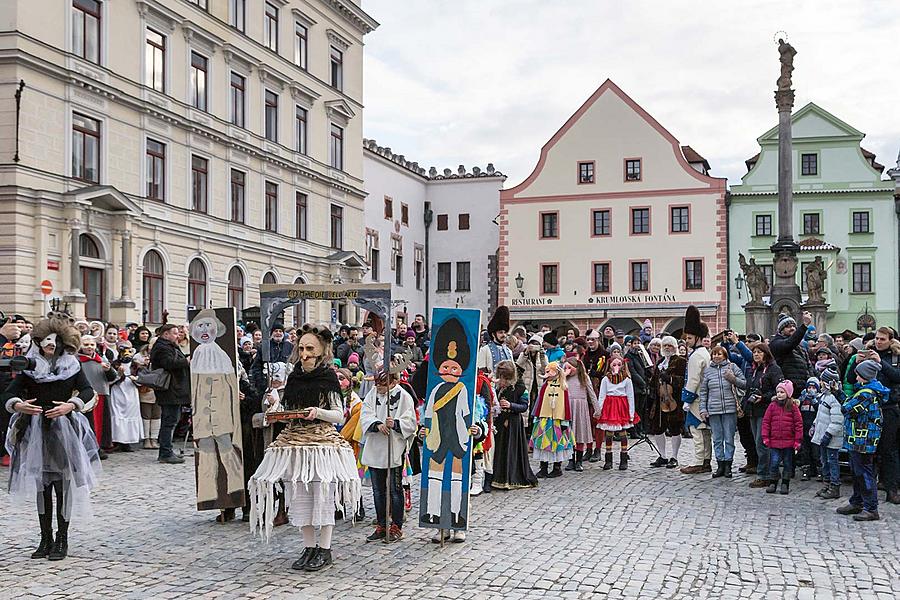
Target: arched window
x: 236, y: 289
x: 299, y: 309
x: 270, y: 278
x: 92, y: 278
x: 154, y: 281
x: 196, y: 291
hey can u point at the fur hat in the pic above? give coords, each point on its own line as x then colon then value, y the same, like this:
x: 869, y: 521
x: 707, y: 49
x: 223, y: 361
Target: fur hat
x: 499, y: 321
x: 868, y: 369
x: 693, y: 324
x: 64, y: 328
x: 783, y: 321
x: 787, y: 386
x: 450, y: 343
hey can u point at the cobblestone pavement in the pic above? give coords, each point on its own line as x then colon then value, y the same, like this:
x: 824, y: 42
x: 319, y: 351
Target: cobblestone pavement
x: 641, y: 533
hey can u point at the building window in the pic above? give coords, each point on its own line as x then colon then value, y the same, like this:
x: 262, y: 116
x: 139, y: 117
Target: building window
x: 442, y: 222
x: 600, y: 222
x: 196, y: 292
x: 301, y: 116
x: 337, y: 227
x: 463, y: 221
x: 764, y: 225
x: 86, y: 29
x: 153, y: 286
x: 860, y: 222
x: 640, y: 276
x: 236, y: 289
x: 302, y: 216
x: 463, y: 277
x: 388, y: 208
x: 443, y: 277
x: 549, y: 279
x: 85, y: 148
x: 301, y: 45
x: 270, y: 27
x: 586, y: 172
x: 680, y: 219
x: 862, y: 278
x: 398, y: 270
x: 271, y: 206
x: 238, y: 14
x: 404, y: 214
x: 269, y: 278
x: 155, y: 58
x: 87, y: 247
x: 156, y: 170
x: 633, y: 169
x: 238, y: 195
x: 238, y: 87
x: 200, y: 4
x: 92, y: 281
x: 769, y: 274
x: 337, y: 147
x: 549, y: 225
x: 601, y: 278
x: 337, y: 69
x: 375, y: 256
x: 271, y: 116
x: 199, y: 183
x: 810, y: 223
x: 420, y: 263
x: 693, y: 274
x: 640, y: 221
x: 809, y: 164
x: 199, y: 68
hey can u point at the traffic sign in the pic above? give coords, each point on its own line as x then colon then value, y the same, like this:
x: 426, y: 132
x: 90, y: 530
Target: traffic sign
x: 46, y: 287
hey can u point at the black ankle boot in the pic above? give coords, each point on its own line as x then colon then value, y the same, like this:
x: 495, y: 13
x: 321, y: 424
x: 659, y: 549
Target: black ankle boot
x: 557, y: 470
x: 542, y: 473
x: 570, y: 466
x: 607, y: 461
x: 728, y: 469
x: 60, y: 547
x: 320, y: 559
x: 579, y: 461
x: 720, y: 469
x: 594, y: 455
x: 623, y: 461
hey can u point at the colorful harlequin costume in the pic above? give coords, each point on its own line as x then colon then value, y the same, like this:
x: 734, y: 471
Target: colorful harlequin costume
x: 551, y: 437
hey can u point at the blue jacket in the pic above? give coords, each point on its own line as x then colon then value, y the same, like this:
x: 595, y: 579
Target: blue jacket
x: 862, y: 418
x: 555, y: 354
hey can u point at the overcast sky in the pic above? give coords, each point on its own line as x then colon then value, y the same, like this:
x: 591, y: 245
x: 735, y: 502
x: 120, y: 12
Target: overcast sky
x: 451, y: 82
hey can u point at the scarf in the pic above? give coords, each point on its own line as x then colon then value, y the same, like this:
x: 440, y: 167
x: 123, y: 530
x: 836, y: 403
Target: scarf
x: 83, y: 358
x: 307, y: 389
x: 64, y: 367
x: 616, y: 377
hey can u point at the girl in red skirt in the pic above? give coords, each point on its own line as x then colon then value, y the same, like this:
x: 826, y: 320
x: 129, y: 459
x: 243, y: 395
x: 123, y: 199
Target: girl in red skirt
x: 617, y: 412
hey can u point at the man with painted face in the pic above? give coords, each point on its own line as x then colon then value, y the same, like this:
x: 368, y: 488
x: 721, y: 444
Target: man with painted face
x: 496, y: 350
x: 447, y: 422
x: 698, y: 359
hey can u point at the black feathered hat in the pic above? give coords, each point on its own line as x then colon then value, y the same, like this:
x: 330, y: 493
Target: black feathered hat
x: 693, y: 324
x: 450, y: 343
x: 499, y: 321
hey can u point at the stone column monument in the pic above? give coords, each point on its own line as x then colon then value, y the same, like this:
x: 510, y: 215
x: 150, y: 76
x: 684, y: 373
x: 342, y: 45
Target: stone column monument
x: 785, y: 295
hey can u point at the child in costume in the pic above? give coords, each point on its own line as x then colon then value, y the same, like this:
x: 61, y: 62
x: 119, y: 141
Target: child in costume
x: 352, y: 428
x: 309, y: 457
x: 583, y: 401
x: 482, y: 453
x: 53, y: 449
x: 782, y: 433
x: 551, y: 437
x: 617, y: 409
x: 511, y: 467
x: 124, y: 400
x: 99, y: 374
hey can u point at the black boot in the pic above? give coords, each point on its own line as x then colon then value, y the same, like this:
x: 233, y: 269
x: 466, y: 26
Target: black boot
x: 557, y: 470
x: 607, y: 461
x: 785, y: 487
x: 570, y: 466
x: 300, y: 563
x: 623, y: 461
x: 486, y: 485
x: 773, y: 487
x: 579, y: 461
x: 595, y: 455
x: 542, y: 473
x: 728, y: 468
x: 659, y: 462
x: 43, y: 549
x: 320, y: 559
x: 720, y: 469
x: 60, y: 547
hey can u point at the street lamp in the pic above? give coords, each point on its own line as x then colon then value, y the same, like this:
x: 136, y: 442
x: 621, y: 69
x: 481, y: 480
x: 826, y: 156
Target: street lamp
x: 739, y: 283
x: 520, y: 281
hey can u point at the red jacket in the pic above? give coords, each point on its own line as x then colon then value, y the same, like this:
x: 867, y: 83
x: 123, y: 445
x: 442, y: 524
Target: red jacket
x: 782, y: 427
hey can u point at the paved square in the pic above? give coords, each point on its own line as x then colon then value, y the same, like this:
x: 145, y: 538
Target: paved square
x: 642, y: 533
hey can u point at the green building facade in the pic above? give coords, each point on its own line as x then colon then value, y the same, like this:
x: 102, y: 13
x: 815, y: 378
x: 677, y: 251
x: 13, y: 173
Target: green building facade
x: 844, y: 211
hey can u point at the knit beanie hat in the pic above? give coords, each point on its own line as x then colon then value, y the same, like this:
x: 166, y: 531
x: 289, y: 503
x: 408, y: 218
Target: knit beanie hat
x: 868, y: 369
x: 787, y: 386
x: 354, y: 357
x: 829, y: 376
x: 856, y: 344
x: 551, y: 338
x: 246, y: 339
x: 629, y: 339
x: 536, y: 340
x: 647, y: 324
x: 785, y: 320
x: 815, y: 382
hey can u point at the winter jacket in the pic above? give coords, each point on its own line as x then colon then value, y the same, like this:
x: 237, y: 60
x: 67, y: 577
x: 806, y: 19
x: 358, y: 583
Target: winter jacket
x: 829, y: 418
x: 740, y: 355
x: 849, y: 376
x: 889, y: 376
x: 168, y: 356
x: 862, y: 423
x: 791, y: 357
x: 638, y: 370
x: 718, y: 396
x: 532, y: 369
x: 782, y: 426
x: 762, y: 381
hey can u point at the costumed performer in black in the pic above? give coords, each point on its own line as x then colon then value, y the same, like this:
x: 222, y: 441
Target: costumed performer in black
x: 312, y: 460
x: 52, y: 445
x: 511, y: 467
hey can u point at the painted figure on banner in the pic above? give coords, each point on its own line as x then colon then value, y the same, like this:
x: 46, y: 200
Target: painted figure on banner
x: 216, y: 410
x: 447, y: 452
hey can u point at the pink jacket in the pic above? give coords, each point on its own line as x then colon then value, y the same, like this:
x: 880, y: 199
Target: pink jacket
x: 782, y: 427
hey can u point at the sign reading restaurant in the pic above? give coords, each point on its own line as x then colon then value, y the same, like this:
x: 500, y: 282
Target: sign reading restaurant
x: 630, y: 299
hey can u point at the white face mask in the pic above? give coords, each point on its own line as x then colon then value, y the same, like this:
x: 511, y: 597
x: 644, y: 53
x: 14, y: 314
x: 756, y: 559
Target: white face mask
x: 49, y: 340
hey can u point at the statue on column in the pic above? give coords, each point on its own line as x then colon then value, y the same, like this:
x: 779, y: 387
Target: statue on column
x: 815, y: 281
x: 757, y: 282
x: 787, y: 53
